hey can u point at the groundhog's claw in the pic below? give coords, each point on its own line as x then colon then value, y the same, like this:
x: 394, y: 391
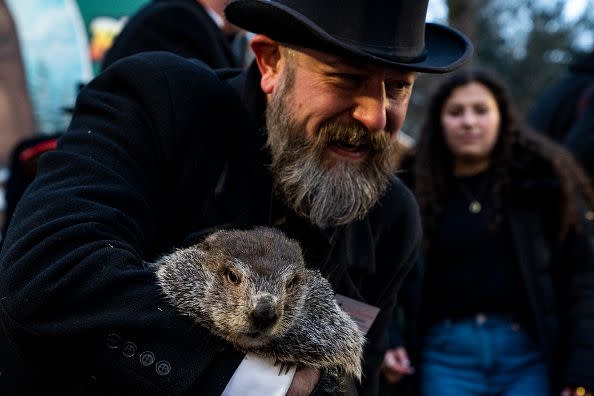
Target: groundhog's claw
x: 284, y: 368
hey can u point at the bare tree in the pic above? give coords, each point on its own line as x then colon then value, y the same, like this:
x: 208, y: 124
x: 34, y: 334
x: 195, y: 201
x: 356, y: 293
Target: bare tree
x: 528, y: 43
x: 463, y: 15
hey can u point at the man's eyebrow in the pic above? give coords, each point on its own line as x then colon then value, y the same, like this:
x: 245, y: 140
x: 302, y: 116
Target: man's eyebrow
x: 355, y: 66
x: 337, y: 62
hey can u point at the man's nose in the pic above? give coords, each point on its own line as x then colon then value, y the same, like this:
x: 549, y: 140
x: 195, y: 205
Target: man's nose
x: 371, y: 109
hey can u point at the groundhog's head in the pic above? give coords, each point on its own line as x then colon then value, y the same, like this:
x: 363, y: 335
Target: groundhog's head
x: 255, y: 284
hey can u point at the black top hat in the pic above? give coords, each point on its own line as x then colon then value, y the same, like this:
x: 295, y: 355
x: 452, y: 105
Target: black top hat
x: 388, y: 32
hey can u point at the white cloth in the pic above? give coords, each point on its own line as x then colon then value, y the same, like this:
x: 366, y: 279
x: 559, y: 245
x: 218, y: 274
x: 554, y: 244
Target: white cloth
x: 257, y: 376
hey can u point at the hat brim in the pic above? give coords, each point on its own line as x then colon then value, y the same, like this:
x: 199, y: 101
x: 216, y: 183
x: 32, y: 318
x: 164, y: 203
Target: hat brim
x: 445, y: 48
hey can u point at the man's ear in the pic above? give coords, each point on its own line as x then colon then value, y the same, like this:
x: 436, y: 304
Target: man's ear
x: 268, y: 57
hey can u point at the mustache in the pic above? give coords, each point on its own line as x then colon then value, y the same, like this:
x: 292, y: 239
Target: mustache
x: 352, y: 133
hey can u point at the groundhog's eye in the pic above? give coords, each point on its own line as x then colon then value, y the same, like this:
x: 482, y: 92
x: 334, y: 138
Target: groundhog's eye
x: 232, y: 277
x: 292, y: 282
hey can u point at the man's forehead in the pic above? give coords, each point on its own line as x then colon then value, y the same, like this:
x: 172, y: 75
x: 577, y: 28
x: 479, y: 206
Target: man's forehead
x: 352, y: 64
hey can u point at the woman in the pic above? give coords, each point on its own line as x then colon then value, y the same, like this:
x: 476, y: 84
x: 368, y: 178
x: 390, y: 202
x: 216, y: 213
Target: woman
x: 507, y: 296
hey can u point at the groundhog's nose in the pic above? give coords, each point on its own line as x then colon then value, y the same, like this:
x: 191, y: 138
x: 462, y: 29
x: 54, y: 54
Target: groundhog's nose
x: 264, y: 314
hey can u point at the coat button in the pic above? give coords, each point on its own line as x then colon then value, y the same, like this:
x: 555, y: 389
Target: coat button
x: 113, y: 341
x: 163, y: 367
x: 129, y: 349
x: 147, y: 358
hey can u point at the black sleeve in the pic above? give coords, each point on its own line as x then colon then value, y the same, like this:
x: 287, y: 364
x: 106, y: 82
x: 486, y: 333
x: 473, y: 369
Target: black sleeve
x: 75, y: 296
x: 579, y: 311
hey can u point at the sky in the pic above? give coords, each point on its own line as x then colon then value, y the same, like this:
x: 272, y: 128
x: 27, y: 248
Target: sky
x: 438, y: 11
x: 574, y: 8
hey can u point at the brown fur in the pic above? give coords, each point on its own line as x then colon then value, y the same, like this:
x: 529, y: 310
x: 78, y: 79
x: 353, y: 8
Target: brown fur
x: 268, y: 271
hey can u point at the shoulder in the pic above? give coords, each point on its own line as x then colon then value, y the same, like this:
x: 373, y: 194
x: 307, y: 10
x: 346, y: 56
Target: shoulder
x: 158, y: 71
x: 169, y: 97
x: 184, y: 17
x: 161, y: 10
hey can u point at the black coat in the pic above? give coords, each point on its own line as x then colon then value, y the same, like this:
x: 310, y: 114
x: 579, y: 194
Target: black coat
x: 565, y: 112
x: 558, y: 277
x: 161, y: 152
x: 182, y: 27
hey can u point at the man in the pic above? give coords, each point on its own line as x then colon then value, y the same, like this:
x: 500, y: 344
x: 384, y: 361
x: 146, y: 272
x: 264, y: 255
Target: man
x: 189, y: 28
x: 162, y: 152
x: 565, y: 112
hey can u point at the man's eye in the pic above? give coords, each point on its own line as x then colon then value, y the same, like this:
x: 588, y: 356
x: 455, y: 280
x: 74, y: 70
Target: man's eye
x: 348, y: 79
x: 352, y: 77
x: 397, y: 88
x: 397, y: 84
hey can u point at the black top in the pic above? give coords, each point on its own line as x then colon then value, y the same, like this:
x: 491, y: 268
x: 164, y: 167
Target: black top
x: 557, y: 274
x: 471, y: 266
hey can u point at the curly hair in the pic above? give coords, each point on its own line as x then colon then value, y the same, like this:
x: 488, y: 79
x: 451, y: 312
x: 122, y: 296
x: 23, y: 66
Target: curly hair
x: 516, y: 143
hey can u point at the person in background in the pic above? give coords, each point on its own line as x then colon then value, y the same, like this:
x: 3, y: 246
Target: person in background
x: 194, y: 29
x: 565, y: 112
x: 507, y: 289
x: 162, y: 151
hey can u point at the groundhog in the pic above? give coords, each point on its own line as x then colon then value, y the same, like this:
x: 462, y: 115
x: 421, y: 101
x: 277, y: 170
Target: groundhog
x: 252, y: 289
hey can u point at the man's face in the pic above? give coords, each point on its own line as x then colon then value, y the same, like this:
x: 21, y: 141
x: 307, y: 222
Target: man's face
x: 332, y: 131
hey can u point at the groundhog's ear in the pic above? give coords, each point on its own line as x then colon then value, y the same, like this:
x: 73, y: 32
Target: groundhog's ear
x: 210, y: 240
x: 296, y: 247
x: 206, y: 245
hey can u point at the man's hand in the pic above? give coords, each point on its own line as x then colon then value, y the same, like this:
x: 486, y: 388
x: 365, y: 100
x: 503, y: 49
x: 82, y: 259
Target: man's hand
x: 579, y: 391
x: 396, y: 365
x: 304, y: 382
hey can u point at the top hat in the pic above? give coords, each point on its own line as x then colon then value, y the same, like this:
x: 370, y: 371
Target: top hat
x: 387, y: 32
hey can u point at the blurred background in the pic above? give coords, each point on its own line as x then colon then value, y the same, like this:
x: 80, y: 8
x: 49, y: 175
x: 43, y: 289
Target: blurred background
x: 529, y: 43
x: 51, y: 48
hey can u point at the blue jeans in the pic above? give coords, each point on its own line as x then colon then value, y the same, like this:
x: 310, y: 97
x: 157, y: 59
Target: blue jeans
x: 481, y: 356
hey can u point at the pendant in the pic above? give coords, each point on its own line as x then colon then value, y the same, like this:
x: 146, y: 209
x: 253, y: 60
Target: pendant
x: 475, y: 207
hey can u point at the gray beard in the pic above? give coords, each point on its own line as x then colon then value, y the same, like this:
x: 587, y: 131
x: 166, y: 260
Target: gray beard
x: 328, y: 193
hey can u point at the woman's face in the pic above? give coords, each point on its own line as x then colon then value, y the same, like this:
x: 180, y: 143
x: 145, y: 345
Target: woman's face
x: 470, y: 120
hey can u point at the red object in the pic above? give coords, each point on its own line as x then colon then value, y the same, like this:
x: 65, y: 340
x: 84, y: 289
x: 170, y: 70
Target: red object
x: 38, y: 149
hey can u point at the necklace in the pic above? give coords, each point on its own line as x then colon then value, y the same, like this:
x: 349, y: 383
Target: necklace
x: 475, y: 206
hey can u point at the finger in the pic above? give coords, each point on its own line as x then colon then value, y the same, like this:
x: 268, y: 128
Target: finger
x: 402, y: 357
x: 389, y: 359
x: 398, y: 369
